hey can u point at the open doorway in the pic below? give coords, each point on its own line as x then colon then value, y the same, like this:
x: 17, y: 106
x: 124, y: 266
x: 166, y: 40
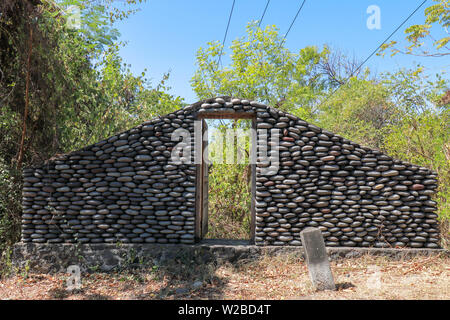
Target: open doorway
x: 227, y: 180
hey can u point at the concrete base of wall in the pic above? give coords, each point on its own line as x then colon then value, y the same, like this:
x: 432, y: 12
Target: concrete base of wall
x: 51, y: 258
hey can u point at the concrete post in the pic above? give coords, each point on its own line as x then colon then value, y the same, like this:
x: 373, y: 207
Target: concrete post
x: 317, y: 259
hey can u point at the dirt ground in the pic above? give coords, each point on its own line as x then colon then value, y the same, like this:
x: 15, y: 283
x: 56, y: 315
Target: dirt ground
x: 282, y: 277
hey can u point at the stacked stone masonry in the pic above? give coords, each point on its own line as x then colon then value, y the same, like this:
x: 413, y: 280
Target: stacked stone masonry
x: 126, y: 188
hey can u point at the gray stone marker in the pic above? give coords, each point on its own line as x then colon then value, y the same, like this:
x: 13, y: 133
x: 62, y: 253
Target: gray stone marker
x: 317, y: 259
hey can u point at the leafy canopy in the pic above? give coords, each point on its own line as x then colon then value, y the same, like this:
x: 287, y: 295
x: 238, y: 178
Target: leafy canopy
x: 261, y: 68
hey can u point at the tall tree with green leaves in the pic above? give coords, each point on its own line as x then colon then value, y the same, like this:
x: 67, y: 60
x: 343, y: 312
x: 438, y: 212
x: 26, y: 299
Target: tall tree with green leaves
x: 62, y: 87
x: 360, y: 111
x: 261, y: 68
x: 422, y: 133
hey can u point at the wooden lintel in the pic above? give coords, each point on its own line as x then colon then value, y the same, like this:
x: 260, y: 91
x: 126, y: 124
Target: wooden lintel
x: 226, y: 115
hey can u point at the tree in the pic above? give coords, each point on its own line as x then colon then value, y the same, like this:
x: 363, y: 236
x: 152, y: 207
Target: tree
x: 418, y: 35
x: 422, y: 133
x: 261, y: 68
x: 360, y: 111
x: 62, y: 88
x: 337, y: 67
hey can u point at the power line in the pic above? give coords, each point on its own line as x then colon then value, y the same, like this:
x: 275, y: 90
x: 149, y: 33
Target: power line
x: 293, y: 21
x: 289, y: 29
x: 226, y: 32
x: 373, y: 52
x: 286, y: 34
x: 262, y: 17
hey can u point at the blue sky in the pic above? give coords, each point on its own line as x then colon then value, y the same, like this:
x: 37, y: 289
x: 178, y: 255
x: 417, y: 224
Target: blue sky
x: 165, y: 34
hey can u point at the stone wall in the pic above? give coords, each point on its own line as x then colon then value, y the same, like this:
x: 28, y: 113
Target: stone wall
x: 122, y: 189
x: 127, y: 189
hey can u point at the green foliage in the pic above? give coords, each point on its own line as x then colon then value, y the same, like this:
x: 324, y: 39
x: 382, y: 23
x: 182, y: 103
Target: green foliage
x: 360, y: 111
x: 10, y: 198
x: 80, y: 91
x: 365, y: 110
x: 422, y: 136
x: 419, y: 34
x: 424, y: 139
x: 404, y: 114
x: 95, y: 23
x: 400, y: 113
x: 229, y: 179
x: 229, y: 202
x: 119, y: 101
x: 261, y: 68
x: 62, y: 88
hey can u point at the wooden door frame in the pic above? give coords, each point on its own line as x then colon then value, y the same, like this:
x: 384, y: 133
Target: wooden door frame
x: 199, y: 172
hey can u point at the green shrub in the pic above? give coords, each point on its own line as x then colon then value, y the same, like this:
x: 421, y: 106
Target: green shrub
x: 10, y: 205
x: 229, y: 201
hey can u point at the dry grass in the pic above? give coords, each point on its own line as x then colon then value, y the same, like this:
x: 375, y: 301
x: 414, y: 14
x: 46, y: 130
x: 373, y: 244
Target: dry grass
x: 222, y: 226
x: 283, y: 277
